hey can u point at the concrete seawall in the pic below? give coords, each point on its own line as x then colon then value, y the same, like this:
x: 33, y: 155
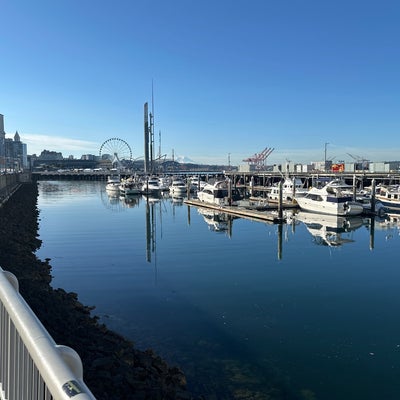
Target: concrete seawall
x: 9, y: 184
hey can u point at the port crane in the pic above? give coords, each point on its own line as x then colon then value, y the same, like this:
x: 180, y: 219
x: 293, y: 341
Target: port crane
x: 258, y: 159
x: 361, y: 161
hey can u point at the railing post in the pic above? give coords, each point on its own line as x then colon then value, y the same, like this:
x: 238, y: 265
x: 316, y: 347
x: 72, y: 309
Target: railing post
x: 30, y: 361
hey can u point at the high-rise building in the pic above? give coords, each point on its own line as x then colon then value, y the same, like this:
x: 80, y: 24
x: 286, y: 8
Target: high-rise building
x: 13, y: 153
x: 2, y: 143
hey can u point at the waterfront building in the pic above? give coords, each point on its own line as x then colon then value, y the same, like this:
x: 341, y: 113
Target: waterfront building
x: 50, y: 155
x: 13, y: 153
x: 91, y: 157
x: 386, y: 166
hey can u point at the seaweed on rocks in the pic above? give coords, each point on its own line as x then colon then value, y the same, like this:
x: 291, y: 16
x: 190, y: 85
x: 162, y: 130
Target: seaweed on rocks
x: 113, y: 367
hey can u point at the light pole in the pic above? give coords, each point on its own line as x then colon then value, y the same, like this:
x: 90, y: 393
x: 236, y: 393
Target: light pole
x: 326, y: 145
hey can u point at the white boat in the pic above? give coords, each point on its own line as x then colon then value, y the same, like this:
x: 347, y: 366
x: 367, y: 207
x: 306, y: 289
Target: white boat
x: 113, y: 182
x: 329, y: 200
x: 360, y: 196
x: 151, y: 186
x: 389, y: 196
x: 219, y: 194
x: 178, y: 187
x: 291, y: 187
x: 328, y: 229
x: 129, y: 186
x: 196, y: 184
x: 164, y: 182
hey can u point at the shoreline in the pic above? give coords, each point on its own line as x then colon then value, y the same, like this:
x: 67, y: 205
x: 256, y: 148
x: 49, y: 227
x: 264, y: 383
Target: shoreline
x: 113, y: 368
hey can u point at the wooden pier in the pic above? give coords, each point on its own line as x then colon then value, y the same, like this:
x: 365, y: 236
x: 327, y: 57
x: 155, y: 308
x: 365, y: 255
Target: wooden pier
x: 269, y: 213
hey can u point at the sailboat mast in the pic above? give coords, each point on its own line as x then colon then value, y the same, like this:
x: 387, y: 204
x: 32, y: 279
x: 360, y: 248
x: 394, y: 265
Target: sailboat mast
x: 152, y: 129
x: 159, y: 145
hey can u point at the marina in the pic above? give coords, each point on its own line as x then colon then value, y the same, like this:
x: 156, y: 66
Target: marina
x: 199, y: 201
x: 242, y: 305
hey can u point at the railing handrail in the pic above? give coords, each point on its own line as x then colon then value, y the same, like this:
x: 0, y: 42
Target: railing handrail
x: 59, y: 366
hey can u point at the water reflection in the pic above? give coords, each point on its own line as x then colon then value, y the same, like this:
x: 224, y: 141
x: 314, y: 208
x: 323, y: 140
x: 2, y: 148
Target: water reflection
x: 217, y: 221
x: 326, y: 230
x: 65, y: 190
x: 229, y: 322
x: 390, y: 224
x: 329, y: 230
x: 111, y: 201
x: 391, y: 221
x: 150, y: 226
x: 177, y: 201
x: 131, y: 200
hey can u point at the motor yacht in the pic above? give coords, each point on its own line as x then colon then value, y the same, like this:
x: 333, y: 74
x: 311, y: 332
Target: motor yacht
x: 129, y: 186
x: 151, y: 186
x: 329, y: 200
x: 389, y: 196
x: 178, y: 187
x: 113, y: 182
x: 291, y: 187
x: 220, y: 193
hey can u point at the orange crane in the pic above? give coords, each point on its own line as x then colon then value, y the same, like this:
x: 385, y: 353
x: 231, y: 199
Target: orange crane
x: 258, y: 159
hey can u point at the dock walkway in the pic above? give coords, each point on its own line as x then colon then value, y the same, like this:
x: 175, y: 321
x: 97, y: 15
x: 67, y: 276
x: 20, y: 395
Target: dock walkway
x: 269, y: 213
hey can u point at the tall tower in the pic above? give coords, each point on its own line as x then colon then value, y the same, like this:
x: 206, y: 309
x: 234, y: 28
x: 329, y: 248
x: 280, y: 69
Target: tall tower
x: 2, y: 125
x: 151, y: 142
x: 146, y: 138
x: 149, y: 136
x: 2, y: 142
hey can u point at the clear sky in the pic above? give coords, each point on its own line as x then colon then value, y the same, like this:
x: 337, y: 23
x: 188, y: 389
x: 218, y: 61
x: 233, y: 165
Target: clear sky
x: 231, y: 77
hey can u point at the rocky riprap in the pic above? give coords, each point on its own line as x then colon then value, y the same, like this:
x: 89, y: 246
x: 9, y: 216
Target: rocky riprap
x: 113, y: 367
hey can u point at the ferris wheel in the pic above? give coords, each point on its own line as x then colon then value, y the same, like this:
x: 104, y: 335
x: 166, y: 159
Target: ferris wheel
x: 117, y: 151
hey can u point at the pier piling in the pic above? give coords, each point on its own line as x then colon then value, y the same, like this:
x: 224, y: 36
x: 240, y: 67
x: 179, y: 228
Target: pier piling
x: 280, y: 210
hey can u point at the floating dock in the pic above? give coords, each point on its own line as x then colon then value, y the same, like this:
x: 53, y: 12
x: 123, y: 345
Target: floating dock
x: 269, y: 213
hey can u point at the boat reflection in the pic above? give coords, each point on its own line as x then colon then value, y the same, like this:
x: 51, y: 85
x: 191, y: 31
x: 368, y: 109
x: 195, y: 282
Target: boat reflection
x: 390, y: 224
x: 176, y: 200
x: 131, y: 200
x: 151, y: 198
x: 328, y: 230
x: 217, y: 221
x: 391, y: 221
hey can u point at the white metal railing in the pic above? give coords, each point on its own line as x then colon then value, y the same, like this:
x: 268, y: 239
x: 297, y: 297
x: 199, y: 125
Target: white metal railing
x: 32, y: 365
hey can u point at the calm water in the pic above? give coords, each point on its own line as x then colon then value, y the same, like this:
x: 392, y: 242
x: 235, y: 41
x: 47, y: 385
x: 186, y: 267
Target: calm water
x: 233, y: 308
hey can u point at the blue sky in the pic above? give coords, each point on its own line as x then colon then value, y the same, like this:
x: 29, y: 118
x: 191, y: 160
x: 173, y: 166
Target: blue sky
x: 230, y: 77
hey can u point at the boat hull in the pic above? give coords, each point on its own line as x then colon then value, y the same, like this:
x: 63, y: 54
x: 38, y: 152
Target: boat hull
x: 178, y: 188
x: 151, y: 187
x: 218, y: 194
x: 130, y: 191
x: 112, y: 187
x: 388, y: 204
x: 330, y: 206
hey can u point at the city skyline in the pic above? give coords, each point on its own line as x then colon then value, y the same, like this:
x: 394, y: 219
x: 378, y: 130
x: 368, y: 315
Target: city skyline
x: 228, y: 79
x: 75, y: 146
